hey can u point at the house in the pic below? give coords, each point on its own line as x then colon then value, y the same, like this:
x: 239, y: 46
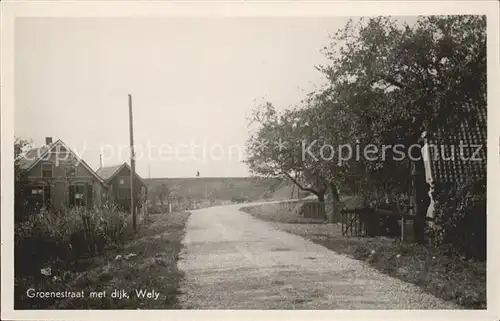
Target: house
x: 452, y: 157
x: 53, y: 176
x: 117, y: 178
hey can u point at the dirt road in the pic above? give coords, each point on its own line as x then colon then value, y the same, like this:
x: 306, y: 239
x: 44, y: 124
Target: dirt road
x: 234, y: 261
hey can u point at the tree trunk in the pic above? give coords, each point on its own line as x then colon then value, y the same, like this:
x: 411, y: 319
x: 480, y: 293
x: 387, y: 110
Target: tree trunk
x: 335, y: 193
x: 321, y: 206
x: 320, y: 194
x: 333, y: 207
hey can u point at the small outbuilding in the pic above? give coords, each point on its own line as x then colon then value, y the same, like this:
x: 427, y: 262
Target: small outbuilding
x: 117, y: 178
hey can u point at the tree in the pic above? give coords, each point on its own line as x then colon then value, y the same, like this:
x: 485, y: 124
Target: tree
x: 345, y: 122
x: 163, y: 193
x: 398, y: 80
x: 426, y: 75
x: 275, y: 150
x: 21, y: 146
x: 388, y: 82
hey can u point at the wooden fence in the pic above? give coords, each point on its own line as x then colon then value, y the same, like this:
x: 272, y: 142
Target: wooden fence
x: 362, y: 221
x: 374, y: 222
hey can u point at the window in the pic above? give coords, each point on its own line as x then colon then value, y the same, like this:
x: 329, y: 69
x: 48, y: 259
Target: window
x: 37, y: 197
x: 36, y: 191
x: 80, y: 195
x: 71, y: 171
x: 77, y: 195
x: 62, y: 152
x: 47, y: 170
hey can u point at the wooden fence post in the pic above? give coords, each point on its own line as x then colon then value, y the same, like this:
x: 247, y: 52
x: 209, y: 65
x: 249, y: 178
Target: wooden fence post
x: 402, y: 228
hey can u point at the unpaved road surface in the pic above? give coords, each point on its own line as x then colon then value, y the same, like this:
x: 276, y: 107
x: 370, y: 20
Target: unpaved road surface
x: 234, y: 261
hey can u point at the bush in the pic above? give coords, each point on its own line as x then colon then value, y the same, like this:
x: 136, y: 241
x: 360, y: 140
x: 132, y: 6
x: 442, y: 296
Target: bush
x: 62, y: 241
x: 460, y: 218
x: 67, y: 236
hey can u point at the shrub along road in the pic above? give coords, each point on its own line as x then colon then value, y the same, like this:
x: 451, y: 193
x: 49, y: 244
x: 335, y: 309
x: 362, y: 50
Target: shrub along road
x: 232, y: 260
x: 141, y: 275
x: 146, y: 269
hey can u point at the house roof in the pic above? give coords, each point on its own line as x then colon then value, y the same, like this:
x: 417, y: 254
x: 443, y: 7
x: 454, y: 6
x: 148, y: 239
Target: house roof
x: 32, y: 157
x: 107, y: 173
x: 451, y: 163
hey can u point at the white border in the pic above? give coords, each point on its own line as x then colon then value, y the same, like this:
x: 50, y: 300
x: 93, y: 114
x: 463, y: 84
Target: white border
x: 12, y: 9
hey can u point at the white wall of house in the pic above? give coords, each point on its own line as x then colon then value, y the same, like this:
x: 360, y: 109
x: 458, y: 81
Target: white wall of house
x: 426, y: 156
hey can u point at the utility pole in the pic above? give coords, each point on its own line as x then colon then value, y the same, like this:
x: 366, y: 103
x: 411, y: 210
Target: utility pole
x: 132, y: 166
x: 100, y: 160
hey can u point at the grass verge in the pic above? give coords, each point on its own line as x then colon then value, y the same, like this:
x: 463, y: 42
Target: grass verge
x: 279, y: 213
x: 147, y: 262
x: 450, y: 278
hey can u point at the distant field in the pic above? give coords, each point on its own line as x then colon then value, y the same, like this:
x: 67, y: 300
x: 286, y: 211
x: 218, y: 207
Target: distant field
x: 225, y: 188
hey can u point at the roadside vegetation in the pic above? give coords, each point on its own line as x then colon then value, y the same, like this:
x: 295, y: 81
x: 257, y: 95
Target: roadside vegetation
x: 283, y: 212
x: 94, y: 251
x: 437, y: 270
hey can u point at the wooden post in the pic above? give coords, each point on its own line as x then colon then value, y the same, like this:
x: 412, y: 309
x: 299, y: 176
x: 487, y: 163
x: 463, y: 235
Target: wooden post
x: 342, y: 221
x: 132, y: 167
x: 402, y: 228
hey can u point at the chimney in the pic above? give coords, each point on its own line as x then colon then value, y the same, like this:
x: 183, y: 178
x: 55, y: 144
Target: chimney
x: 48, y: 140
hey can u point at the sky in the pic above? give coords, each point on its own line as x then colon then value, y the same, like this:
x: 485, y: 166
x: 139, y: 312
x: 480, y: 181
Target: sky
x: 193, y: 84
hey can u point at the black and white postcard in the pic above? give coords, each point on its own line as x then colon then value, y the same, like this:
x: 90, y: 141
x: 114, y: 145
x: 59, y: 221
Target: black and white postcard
x: 256, y: 159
